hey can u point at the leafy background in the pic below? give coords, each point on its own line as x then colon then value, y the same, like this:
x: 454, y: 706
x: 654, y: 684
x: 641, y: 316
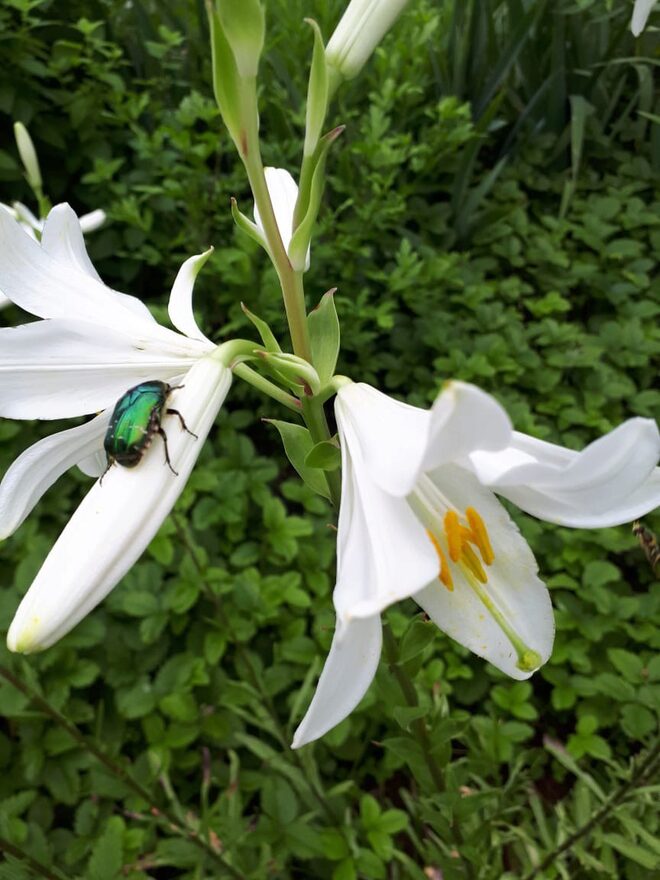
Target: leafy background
x: 492, y: 215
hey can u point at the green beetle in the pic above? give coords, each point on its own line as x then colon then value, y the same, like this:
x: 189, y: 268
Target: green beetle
x: 135, y: 420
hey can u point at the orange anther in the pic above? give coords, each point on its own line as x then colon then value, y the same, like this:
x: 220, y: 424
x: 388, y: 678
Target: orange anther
x: 480, y: 535
x: 444, y: 575
x: 454, y: 536
x: 471, y: 562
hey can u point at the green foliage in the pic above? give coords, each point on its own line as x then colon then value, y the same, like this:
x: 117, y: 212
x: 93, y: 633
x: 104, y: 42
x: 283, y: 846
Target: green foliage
x: 194, y: 672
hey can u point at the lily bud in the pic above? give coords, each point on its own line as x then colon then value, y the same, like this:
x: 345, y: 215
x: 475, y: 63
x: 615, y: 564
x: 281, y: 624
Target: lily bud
x: 28, y: 156
x: 244, y: 26
x: 641, y: 12
x: 363, y: 25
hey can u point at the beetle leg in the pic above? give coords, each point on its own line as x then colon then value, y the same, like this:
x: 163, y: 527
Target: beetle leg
x: 111, y: 461
x: 167, y: 452
x: 175, y: 412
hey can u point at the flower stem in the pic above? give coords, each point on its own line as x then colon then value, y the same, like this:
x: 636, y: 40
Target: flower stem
x: 270, y: 388
x: 410, y: 696
x: 419, y: 728
x: 167, y: 819
x: 290, y: 281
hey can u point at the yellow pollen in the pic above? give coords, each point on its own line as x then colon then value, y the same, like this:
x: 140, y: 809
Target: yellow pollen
x: 445, y: 575
x: 471, y: 562
x: 480, y: 535
x: 454, y: 536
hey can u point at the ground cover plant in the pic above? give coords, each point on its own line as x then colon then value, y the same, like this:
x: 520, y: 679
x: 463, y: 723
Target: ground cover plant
x: 490, y: 216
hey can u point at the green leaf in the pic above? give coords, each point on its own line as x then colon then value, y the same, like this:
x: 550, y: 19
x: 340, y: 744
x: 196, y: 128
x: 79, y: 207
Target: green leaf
x: 637, y: 721
x: 418, y: 636
x: 267, y: 335
x: 317, y: 92
x: 405, y: 715
x: 298, y: 444
x: 369, y: 811
x: 303, y: 234
x: 325, y: 336
x: 631, y: 666
x: 633, y: 851
x: 107, y: 855
x: 324, y: 455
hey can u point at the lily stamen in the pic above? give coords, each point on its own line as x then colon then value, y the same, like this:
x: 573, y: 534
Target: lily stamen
x: 455, y: 539
x: 471, y: 561
x: 480, y: 535
x: 445, y: 574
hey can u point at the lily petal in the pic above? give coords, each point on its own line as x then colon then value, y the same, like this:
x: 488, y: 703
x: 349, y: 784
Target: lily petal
x: 389, y: 435
x: 27, y: 219
x: 93, y: 220
x: 513, y: 603
x: 36, y: 469
x: 283, y: 191
x: 59, y: 369
x: 464, y: 418
x: 62, y: 239
x: 347, y: 674
x: 383, y: 554
x: 117, y: 519
x: 585, y: 489
x: 641, y: 12
x: 94, y: 464
x: 48, y: 288
x: 180, y: 305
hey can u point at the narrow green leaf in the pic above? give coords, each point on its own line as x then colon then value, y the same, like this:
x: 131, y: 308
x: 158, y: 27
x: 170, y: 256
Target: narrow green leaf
x: 297, y: 444
x: 633, y: 851
x: 325, y: 336
x: 303, y: 234
x: 267, y: 335
x: 317, y: 92
x: 247, y: 226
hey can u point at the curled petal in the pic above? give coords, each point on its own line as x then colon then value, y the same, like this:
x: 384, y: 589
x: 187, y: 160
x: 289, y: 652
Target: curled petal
x: 49, y: 288
x: 347, y: 674
x: 62, y: 239
x: 180, y: 304
x: 508, y: 620
x: 117, y: 519
x: 58, y: 369
x: 36, y: 469
x: 605, y: 484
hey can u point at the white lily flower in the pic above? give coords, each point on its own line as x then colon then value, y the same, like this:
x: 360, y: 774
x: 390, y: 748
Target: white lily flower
x: 418, y: 519
x: 361, y: 28
x: 34, y: 226
x: 641, y: 11
x: 283, y: 192
x: 92, y: 346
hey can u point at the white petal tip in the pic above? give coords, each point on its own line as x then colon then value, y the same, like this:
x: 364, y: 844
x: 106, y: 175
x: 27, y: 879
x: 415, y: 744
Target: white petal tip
x: 24, y: 639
